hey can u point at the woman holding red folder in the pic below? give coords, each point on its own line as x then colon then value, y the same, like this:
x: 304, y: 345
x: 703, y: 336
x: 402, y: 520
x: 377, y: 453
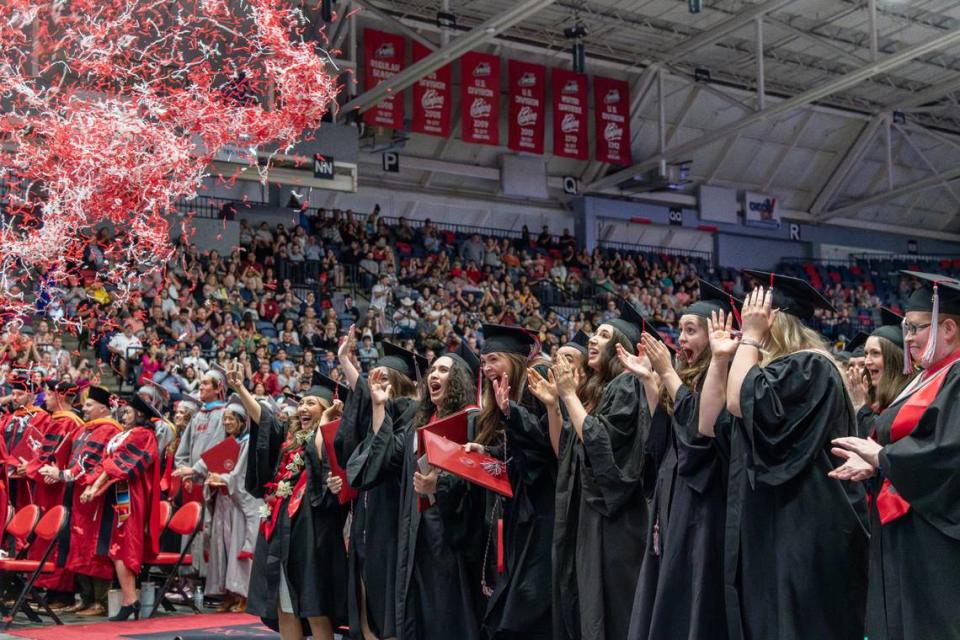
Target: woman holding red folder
x: 299, y: 563
x: 235, y: 520
x: 436, y: 595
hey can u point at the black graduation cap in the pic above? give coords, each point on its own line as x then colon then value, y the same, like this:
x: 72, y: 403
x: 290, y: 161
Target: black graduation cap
x: 855, y: 346
x: 99, y: 394
x: 144, y: 407
x: 404, y: 361
x: 630, y: 323
x: 579, y: 341
x: 499, y: 338
x: 327, y: 388
x: 62, y: 387
x: 466, y: 356
x: 946, y: 288
x: 712, y: 298
x: 20, y: 382
x: 890, y: 327
x: 791, y: 295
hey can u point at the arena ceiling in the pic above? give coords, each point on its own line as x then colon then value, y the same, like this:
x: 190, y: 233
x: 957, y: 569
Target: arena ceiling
x: 851, y: 114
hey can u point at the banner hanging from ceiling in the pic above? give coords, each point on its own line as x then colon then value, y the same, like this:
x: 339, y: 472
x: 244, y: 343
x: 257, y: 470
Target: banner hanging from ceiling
x: 528, y: 108
x: 384, y: 56
x: 480, y: 98
x: 569, y: 90
x: 432, y: 98
x: 611, y: 106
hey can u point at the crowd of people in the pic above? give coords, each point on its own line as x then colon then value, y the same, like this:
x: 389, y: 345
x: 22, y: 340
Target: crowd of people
x: 660, y: 448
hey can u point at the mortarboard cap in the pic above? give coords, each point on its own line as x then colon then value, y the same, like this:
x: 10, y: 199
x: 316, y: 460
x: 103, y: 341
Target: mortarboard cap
x: 712, y: 298
x: 579, y: 341
x: 20, y: 382
x: 791, y: 295
x: 630, y: 323
x: 855, y: 346
x: 99, y: 394
x: 499, y: 338
x: 466, y: 356
x: 234, y: 405
x: 144, y: 407
x: 948, y: 290
x: 190, y: 401
x: 890, y: 327
x: 404, y: 361
x: 328, y: 389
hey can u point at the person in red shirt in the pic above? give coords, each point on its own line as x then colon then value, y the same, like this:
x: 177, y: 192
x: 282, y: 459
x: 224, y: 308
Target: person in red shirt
x: 267, y: 378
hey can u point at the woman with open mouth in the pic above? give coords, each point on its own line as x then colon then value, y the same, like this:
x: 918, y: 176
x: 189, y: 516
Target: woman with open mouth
x: 601, y: 509
x: 437, y: 596
x: 679, y: 594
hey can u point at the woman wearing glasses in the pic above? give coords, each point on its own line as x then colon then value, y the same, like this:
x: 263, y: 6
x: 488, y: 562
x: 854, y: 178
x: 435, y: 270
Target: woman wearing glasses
x: 914, y: 462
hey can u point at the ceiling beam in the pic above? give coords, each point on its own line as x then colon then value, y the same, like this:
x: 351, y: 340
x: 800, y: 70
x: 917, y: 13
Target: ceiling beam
x: 787, y: 150
x: 839, y: 84
x: 374, y: 10
x: 818, y: 40
x: 930, y: 94
x: 845, y: 163
x: 724, y: 29
x: 936, y: 180
x: 446, y: 54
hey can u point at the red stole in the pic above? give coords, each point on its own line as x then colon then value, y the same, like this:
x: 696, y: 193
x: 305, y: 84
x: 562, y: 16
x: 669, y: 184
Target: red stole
x: 890, y: 504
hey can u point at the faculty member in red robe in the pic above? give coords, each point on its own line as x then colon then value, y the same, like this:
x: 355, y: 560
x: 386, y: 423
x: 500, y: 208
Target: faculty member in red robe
x: 13, y: 425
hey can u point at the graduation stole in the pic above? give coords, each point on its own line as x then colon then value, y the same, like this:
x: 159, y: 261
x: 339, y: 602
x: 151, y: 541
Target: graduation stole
x: 292, y: 464
x: 890, y: 504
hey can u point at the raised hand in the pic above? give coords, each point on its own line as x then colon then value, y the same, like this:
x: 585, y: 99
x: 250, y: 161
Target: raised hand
x: 723, y: 344
x: 638, y: 364
x: 235, y: 374
x: 501, y: 391
x: 543, y: 389
x: 564, y: 377
x: 332, y: 413
x: 658, y: 354
x: 758, y: 315
x: 348, y: 344
x: 379, y: 387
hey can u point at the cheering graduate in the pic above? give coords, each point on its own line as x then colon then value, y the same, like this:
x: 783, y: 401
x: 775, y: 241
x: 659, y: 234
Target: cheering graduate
x: 127, y: 485
x: 883, y: 376
x: 791, y: 401
x: 601, y: 511
x: 680, y: 592
x: 87, y: 558
x: 511, y: 426
x: 915, y: 458
x: 575, y: 350
x: 436, y: 591
x: 299, y: 564
x: 55, y: 450
x: 13, y: 426
x: 235, y: 520
x: 373, y: 530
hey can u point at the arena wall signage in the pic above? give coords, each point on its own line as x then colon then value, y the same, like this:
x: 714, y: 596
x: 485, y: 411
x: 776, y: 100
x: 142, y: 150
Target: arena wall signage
x: 384, y: 56
x: 760, y: 209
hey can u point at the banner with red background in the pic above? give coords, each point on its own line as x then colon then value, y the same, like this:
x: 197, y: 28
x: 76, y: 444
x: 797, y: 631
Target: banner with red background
x: 528, y: 92
x: 611, y: 104
x: 480, y: 98
x: 570, y: 138
x: 432, y: 98
x: 383, y: 56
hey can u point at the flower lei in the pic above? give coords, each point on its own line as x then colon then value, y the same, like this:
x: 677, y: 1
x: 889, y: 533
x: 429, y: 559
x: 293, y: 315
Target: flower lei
x: 291, y: 465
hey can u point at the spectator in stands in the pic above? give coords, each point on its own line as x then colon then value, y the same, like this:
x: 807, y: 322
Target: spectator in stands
x: 125, y: 348
x: 473, y: 250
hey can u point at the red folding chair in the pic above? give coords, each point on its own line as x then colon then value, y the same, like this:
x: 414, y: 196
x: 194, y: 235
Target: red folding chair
x: 166, y: 512
x: 187, y: 522
x: 45, y: 531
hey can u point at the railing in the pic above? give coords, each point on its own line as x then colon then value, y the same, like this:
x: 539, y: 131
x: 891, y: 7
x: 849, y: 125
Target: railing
x: 649, y: 248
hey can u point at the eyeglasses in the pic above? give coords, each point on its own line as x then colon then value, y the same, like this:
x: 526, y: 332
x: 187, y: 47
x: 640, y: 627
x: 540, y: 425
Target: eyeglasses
x: 910, y: 328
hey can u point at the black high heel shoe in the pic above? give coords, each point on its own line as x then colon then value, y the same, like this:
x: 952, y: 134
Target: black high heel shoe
x: 126, y: 611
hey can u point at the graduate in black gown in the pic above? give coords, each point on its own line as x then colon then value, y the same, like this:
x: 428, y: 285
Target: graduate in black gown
x: 601, y: 510
x: 680, y: 591
x: 795, y: 549
x: 373, y: 530
x: 299, y: 563
x: 883, y: 377
x: 511, y: 425
x: 913, y: 466
x: 436, y: 590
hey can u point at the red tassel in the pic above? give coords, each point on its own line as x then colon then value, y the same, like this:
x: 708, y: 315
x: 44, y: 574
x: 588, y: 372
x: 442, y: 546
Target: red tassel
x: 500, y: 565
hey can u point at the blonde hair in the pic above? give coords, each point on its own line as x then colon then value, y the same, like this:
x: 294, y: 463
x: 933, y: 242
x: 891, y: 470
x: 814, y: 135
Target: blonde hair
x: 789, y: 335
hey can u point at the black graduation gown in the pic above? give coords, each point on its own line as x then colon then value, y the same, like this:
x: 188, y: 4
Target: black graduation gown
x: 795, y: 546
x: 517, y: 607
x: 373, y: 530
x: 310, y: 545
x: 915, y: 559
x: 436, y: 595
x: 601, y: 516
x: 865, y: 420
x: 680, y: 591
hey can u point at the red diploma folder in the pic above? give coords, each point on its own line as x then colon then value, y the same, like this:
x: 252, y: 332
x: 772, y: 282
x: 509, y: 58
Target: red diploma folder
x: 329, y: 431
x: 453, y: 428
x: 31, y: 440
x: 478, y: 468
x: 222, y: 457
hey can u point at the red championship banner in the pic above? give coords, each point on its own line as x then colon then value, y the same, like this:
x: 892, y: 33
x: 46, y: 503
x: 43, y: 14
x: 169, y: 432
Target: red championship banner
x: 432, y: 98
x: 383, y: 55
x: 612, y: 108
x: 480, y: 98
x: 528, y: 108
x: 570, y: 114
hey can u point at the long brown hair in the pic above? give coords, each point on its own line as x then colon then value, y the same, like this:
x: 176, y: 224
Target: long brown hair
x: 789, y: 335
x: 294, y: 427
x: 400, y: 385
x: 691, y: 374
x: 592, y: 385
x: 489, y: 421
x: 892, y: 380
x: 459, y: 393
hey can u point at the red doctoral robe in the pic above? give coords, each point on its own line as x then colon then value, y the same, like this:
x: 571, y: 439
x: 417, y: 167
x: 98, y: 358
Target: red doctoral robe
x: 87, y: 452
x: 131, y: 464
x: 12, y: 427
x: 55, y: 450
